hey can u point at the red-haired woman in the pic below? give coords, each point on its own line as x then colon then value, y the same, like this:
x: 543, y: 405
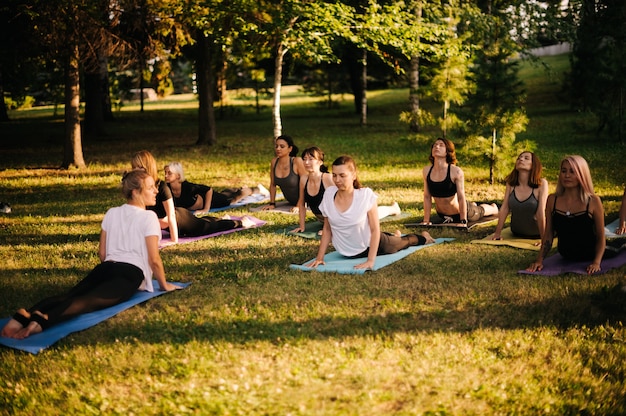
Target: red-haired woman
x: 525, y: 199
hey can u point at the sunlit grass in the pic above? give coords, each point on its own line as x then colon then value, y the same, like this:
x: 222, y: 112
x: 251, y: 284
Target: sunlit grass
x: 452, y: 329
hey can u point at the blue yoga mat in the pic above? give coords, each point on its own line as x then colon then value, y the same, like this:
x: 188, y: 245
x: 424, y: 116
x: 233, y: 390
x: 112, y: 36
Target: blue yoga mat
x: 337, y: 263
x: 38, y: 342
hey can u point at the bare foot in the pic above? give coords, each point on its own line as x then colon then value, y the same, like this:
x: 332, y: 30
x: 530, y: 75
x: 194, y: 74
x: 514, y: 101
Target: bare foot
x: 13, y: 326
x: 247, y: 222
x: 428, y: 237
x: 397, y: 233
x: 32, y: 328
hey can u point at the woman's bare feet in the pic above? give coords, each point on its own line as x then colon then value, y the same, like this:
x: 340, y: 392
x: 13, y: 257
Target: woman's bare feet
x: 428, y: 237
x: 14, y: 326
x: 397, y: 233
x: 11, y: 328
x: 32, y: 328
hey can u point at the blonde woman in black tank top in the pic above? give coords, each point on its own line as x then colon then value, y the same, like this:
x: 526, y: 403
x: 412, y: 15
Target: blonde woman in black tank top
x: 575, y: 197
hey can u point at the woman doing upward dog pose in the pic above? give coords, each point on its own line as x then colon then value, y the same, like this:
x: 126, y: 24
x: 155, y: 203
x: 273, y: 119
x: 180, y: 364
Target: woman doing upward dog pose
x: 351, y: 220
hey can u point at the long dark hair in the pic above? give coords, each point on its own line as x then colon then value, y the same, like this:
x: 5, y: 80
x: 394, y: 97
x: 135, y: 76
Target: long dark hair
x: 290, y: 143
x: 316, y: 153
x: 347, y: 160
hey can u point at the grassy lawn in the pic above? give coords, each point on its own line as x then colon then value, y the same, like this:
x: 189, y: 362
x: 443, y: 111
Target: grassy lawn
x: 452, y: 329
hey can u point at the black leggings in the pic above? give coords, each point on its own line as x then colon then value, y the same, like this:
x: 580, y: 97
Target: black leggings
x: 227, y: 196
x: 191, y: 226
x: 390, y: 244
x: 108, y: 284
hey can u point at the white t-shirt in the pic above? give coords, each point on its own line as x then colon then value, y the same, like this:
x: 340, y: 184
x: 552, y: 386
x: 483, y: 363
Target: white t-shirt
x: 127, y: 227
x: 350, y: 229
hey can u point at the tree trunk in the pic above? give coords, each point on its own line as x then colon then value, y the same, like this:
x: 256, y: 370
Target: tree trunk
x: 414, y: 99
x: 97, y: 96
x: 492, y: 162
x: 220, y: 82
x: 206, y: 93
x: 414, y: 81
x: 278, y: 79
x: 329, y: 85
x: 355, y: 71
x: 94, y: 113
x: 4, y: 114
x: 141, y: 81
x: 107, y: 107
x: 364, y: 89
x: 446, y: 107
x: 73, y: 152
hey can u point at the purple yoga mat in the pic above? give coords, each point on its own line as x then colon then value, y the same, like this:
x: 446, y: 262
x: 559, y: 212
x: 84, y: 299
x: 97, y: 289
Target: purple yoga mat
x: 556, y: 264
x: 165, y: 241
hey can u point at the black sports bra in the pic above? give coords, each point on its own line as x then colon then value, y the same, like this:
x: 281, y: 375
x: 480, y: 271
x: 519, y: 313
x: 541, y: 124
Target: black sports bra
x: 443, y: 189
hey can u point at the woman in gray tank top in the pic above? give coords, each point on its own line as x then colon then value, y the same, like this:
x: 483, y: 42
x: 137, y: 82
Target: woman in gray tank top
x: 285, y: 172
x: 525, y: 199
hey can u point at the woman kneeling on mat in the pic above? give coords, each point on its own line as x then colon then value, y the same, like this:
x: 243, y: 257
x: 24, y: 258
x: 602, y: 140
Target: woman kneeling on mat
x: 129, y: 252
x: 351, y: 220
x: 575, y: 215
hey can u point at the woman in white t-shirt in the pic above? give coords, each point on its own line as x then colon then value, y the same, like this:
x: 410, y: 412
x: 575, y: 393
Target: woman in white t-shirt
x: 351, y: 220
x: 129, y: 255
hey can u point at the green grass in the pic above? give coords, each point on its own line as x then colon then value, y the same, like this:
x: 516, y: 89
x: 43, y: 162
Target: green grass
x: 449, y: 330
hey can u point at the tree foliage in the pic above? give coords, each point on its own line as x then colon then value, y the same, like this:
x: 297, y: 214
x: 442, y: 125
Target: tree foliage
x: 598, y: 78
x: 496, y: 112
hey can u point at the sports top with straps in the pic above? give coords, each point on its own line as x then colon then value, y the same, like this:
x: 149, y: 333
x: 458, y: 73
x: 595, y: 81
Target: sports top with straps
x: 443, y: 189
x: 523, y: 222
x: 314, y: 201
x: 289, y: 185
x: 576, y: 233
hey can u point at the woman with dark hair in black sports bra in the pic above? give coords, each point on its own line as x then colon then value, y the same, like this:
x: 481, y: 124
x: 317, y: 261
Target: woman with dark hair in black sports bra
x: 574, y: 214
x: 444, y: 183
x: 312, y: 185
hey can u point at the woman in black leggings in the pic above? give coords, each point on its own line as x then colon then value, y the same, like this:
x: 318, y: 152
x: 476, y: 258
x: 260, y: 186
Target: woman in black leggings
x: 178, y: 220
x: 129, y: 256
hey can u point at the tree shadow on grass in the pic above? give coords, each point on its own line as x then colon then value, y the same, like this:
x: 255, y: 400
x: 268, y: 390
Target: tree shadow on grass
x: 592, y: 310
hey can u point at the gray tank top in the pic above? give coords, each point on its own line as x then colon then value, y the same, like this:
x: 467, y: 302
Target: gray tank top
x: 523, y: 222
x: 289, y: 185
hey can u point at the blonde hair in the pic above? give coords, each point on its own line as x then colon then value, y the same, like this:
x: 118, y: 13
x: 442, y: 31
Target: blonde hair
x: 177, y: 167
x: 583, y: 174
x: 143, y: 159
x: 133, y: 180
